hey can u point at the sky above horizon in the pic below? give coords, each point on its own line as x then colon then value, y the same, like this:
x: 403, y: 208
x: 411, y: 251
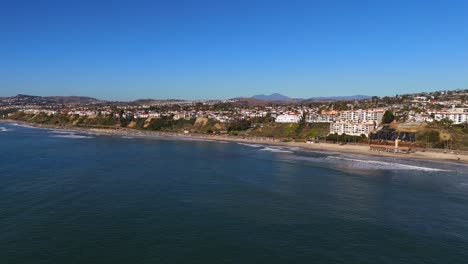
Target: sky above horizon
x: 125, y: 50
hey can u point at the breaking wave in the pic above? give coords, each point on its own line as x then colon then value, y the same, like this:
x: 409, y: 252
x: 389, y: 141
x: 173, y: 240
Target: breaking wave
x: 195, y: 139
x: 379, y: 165
x: 23, y: 125
x: 70, y: 135
x: 3, y: 129
x: 60, y: 132
x: 275, y: 150
x: 251, y: 145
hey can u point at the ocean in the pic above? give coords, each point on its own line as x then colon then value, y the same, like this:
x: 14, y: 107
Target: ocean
x: 69, y: 197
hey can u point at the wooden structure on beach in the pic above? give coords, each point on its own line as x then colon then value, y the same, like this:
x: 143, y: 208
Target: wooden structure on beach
x: 390, y: 148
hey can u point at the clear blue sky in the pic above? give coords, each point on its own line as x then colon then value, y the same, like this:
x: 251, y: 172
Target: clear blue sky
x: 125, y: 50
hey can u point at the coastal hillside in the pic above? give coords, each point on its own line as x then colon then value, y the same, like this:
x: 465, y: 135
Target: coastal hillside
x: 424, y: 135
x: 294, y: 131
x: 436, y: 135
x: 200, y: 125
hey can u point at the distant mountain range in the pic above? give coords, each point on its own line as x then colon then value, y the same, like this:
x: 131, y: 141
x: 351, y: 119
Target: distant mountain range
x: 261, y: 99
x: 271, y: 97
x: 23, y: 98
x: 276, y: 97
x: 337, y: 98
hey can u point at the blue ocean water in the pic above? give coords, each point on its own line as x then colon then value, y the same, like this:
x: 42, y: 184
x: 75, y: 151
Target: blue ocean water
x: 68, y: 197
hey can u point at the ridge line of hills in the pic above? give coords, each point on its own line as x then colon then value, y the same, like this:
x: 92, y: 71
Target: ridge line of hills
x: 272, y: 98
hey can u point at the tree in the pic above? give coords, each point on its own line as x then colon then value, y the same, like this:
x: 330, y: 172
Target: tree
x: 239, y: 125
x: 446, y: 121
x: 388, y: 117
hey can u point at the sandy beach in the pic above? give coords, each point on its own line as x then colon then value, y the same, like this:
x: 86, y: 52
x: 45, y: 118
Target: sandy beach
x: 452, y: 156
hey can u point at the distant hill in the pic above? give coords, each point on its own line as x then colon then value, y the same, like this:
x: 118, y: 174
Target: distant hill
x: 250, y: 101
x: 74, y: 99
x: 271, y: 97
x: 42, y: 100
x: 336, y: 98
x: 259, y: 100
x: 279, y: 98
x: 154, y: 101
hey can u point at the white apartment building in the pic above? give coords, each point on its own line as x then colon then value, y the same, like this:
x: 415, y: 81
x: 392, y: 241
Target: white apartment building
x: 320, y: 118
x: 456, y: 115
x: 369, y: 115
x: 37, y: 111
x: 289, y: 117
x: 353, y: 129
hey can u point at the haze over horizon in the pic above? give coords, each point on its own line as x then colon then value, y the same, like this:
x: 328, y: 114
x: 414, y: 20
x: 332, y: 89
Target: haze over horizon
x: 126, y: 50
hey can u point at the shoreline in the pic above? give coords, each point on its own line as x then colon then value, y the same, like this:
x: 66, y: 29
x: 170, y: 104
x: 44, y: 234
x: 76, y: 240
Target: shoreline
x: 453, y: 157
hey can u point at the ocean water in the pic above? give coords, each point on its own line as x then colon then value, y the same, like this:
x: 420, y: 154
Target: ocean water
x: 68, y: 197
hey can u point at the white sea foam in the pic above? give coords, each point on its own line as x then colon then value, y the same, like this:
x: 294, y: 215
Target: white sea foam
x: 23, y: 125
x: 60, y: 132
x: 382, y: 165
x: 3, y: 129
x: 71, y: 136
x: 294, y: 148
x: 127, y: 137
x: 251, y: 145
x: 195, y: 139
x: 275, y: 150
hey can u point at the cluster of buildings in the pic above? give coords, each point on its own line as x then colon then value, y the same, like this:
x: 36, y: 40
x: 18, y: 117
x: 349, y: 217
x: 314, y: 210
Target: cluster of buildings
x: 350, y: 122
x: 345, y: 117
x: 357, y: 122
x: 455, y: 115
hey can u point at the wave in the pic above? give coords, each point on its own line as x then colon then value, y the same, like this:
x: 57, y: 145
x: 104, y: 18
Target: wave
x: 3, y: 129
x: 23, y: 125
x: 71, y: 136
x: 60, y: 132
x: 194, y: 139
x: 295, y: 149
x: 382, y: 165
x: 275, y: 150
x: 251, y: 145
x: 127, y: 137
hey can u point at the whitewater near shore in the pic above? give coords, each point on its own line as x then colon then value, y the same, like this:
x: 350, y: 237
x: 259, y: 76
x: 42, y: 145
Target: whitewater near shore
x: 455, y: 156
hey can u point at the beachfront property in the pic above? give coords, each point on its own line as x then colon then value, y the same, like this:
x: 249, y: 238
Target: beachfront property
x: 420, y: 118
x: 181, y: 115
x: 456, y: 115
x: 368, y: 115
x: 320, y: 118
x: 37, y: 111
x: 141, y: 114
x: 352, y: 128
x: 289, y: 117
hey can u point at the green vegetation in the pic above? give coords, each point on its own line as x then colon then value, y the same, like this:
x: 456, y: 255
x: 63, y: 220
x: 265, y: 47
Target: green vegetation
x: 441, y: 135
x: 166, y: 124
x: 388, y: 117
x: 343, y: 138
x: 292, y: 131
x: 431, y: 136
x: 65, y: 120
x: 239, y: 125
